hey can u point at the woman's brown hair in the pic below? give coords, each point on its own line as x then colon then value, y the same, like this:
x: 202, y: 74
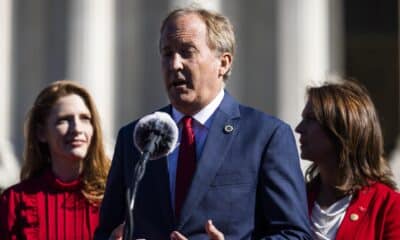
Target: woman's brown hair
x: 346, y: 110
x: 36, y: 153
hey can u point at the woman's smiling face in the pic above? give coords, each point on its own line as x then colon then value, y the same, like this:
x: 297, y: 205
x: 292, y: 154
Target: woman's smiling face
x: 68, y: 129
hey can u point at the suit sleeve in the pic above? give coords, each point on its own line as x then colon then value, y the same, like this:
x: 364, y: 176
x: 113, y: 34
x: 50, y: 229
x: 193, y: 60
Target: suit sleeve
x: 282, y: 188
x: 113, y: 205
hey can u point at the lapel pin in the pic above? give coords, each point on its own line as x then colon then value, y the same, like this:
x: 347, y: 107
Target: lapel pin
x: 354, y: 217
x: 228, y: 128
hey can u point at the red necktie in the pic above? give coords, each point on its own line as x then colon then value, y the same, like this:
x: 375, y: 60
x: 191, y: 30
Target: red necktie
x: 186, y: 164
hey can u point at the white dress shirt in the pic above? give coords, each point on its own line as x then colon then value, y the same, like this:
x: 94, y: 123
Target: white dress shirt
x: 201, y: 125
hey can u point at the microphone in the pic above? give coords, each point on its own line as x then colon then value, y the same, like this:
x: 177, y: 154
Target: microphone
x: 156, y: 135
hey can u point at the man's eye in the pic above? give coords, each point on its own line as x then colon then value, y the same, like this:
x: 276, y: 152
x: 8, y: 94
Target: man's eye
x: 186, y: 53
x: 166, y: 53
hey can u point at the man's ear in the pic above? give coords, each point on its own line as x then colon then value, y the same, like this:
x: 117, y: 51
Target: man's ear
x: 225, y: 63
x: 41, y: 133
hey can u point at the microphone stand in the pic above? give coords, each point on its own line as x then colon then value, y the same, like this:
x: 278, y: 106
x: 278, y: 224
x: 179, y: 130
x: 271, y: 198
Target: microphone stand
x: 140, y: 168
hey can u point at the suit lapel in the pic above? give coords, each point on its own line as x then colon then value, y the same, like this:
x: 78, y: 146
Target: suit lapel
x: 161, y: 185
x: 216, y: 146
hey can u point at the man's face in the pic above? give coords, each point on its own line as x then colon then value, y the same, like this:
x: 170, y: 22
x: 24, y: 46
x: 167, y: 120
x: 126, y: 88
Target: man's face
x: 193, y: 73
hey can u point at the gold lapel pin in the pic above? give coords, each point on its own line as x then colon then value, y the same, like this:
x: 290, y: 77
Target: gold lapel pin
x: 354, y: 217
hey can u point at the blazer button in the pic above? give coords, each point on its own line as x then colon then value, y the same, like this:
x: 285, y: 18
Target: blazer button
x: 354, y: 217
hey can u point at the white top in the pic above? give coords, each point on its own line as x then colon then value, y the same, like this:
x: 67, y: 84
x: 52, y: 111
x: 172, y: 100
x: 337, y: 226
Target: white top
x: 201, y: 125
x: 326, y: 222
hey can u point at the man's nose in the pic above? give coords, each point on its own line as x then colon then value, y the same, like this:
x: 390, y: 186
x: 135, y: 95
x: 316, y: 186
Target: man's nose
x: 176, y: 61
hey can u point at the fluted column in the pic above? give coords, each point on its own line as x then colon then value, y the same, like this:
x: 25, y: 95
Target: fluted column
x: 308, y: 51
x: 208, y: 4
x: 9, y: 166
x: 303, y: 52
x: 394, y: 158
x: 5, y: 67
x: 91, y: 55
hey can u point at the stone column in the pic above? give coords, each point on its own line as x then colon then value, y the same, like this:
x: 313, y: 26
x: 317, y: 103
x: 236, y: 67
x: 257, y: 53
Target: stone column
x: 208, y: 4
x: 304, y: 57
x: 9, y: 166
x: 394, y: 158
x: 91, y: 56
x: 308, y: 51
x: 5, y: 67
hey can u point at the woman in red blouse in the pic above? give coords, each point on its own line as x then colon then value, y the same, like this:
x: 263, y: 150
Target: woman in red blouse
x: 64, y: 172
x: 351, y: 192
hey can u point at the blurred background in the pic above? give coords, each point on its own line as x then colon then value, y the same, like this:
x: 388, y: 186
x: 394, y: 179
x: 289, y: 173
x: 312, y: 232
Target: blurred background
x: 111, y: 47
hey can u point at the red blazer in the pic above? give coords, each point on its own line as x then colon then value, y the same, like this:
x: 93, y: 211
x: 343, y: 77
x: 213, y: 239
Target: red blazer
x: 373, y: 213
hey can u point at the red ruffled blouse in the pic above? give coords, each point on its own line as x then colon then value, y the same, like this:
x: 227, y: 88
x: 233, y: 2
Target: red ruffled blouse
x: 44, y: 208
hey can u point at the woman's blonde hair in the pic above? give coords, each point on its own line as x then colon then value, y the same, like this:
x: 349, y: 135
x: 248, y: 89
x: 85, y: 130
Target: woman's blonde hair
x: 36, y: 153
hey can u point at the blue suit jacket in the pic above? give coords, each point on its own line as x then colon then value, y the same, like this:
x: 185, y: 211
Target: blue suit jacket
x: 247, y: 181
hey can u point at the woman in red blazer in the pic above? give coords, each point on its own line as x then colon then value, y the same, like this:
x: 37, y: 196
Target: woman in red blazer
x: 351, y: 192
x: 64, y: 171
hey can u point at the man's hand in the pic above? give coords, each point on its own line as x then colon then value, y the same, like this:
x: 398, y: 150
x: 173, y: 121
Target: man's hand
x: 118, y: 232
x: 211, y: 230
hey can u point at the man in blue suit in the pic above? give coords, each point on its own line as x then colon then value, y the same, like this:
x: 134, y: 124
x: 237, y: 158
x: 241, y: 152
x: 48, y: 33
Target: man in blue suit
x: 246, y: 182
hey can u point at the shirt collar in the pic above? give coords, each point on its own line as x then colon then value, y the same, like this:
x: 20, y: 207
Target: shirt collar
x: 204, y: 114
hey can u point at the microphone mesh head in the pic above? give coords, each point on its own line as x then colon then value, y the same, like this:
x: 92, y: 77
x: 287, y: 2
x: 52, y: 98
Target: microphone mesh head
x: 160, y: 124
